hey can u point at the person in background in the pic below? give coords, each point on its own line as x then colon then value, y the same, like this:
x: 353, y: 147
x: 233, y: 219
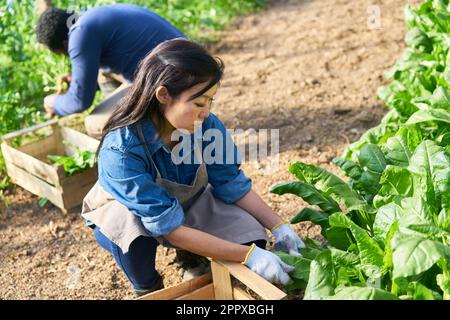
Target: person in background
x: 105, y: 45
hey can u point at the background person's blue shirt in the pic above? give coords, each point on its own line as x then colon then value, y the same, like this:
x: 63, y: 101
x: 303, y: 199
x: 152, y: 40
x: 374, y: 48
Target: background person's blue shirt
x: 129, y: 176
x: 116, y: 38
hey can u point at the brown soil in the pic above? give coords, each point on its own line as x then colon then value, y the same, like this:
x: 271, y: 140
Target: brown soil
x: 308, y: 68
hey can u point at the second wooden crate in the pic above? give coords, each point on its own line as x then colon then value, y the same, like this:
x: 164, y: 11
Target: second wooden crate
x: 28, y: 167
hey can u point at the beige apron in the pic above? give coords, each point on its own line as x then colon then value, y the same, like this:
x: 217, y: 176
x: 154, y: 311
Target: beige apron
x: 202, y: 211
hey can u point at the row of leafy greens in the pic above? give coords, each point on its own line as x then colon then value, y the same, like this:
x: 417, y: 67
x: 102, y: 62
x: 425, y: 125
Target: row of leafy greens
x: 387, y: 227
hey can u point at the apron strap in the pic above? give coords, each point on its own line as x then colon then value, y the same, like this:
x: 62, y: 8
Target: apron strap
x: 147, y: 151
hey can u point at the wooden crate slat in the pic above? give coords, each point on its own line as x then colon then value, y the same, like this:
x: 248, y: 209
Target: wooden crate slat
x: 40, y: 149
x: 34, y: 184
x: 239, y: 294
x: 78, y: 139
x: 23, y: 131
x: 30, y: 164
x: 72, y: 183
x: 179, y: 290
x: 203, y: 293
x: 57, y: 139
x: 259, y: 285
x: 76, y: 187
x: 221, y: 287
x: 222, y: 282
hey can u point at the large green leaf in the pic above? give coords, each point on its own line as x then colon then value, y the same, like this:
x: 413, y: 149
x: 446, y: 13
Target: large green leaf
x: 416, y: 212
x: 365, y: 181
x: 344, y: 258
x: 301, y: 264
x: 413, y: 254
x: 440, y: 99
x: 430, y: 230
x: 368, y: 185
x: 411, y: 17
x: 418, y: 39
x: 432, y: 163
x: 385, y: 217
x: 311, y: 251
x: 362, y: 293
x: 308, y: 193
x: 372, y: 159
x: 443, y: 220
x: 338, y: 237
x: 388, y: 253
x: 399, y: 148
x: 321, y: 278
x: 370, y: 253
x: 328, y: 183
x: 440, y: 5
x: 429, y: 115
x: 420, y: 292
x: 351, y: 168
x: 346, y: 276
x: 396, y: 183
x: 316, y: 217
x: 443, y: 280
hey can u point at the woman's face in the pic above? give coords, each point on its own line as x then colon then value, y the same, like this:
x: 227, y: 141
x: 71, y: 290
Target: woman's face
x: 183, y: 113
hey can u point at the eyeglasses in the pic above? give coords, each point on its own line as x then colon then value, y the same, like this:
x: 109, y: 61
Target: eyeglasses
x: 208, y: 102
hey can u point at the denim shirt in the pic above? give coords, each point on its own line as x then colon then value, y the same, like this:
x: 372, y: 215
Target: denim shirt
x: 126, y: 172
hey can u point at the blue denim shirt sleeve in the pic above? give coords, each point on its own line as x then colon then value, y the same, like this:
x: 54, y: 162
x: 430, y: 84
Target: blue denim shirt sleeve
x: 84, y: 51
x: 229, y: 181
x: 126, y: 176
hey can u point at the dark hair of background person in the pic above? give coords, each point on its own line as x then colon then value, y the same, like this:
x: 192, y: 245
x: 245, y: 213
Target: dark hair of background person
x: 52, y: 29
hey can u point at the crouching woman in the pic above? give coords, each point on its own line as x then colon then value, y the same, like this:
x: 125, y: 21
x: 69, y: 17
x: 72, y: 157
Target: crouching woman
x: 144, y: 198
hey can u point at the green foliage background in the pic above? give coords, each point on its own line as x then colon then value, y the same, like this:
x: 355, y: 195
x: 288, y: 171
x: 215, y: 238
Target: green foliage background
x: 28, y: 72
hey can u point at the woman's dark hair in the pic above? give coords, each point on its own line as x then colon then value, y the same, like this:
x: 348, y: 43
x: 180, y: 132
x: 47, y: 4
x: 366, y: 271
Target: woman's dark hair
x: 176, y: 64
x: 52, y: 29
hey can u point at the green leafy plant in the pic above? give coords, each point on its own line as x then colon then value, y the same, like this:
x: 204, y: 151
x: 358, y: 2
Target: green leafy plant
x: 42, y: 202
x: 397, y: 248
x: 387, y: 226
x: 81, y: 160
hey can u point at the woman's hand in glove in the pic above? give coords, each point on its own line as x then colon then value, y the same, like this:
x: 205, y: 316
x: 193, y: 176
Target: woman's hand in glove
x: 268, y: 265
x: 287, y: 240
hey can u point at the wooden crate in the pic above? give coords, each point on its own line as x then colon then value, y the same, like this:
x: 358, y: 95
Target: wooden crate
x: 28, y: 166
x: 218, y: 285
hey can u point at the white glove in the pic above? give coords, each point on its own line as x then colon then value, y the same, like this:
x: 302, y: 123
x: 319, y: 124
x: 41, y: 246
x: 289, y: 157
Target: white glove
x: 268, y: 265
x: 287, y: 240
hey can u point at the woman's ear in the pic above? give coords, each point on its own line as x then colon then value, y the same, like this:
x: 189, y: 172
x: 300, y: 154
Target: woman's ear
x: 163, y: 96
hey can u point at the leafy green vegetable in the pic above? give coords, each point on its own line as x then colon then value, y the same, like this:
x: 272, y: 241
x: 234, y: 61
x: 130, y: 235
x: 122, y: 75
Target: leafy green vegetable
x: 309, y: 193
x: 42, y: 202
x: 81, y: 160
x: 396, y: 184
x: 327, y: 183
x: 370, y: 253
x: 415, y: 254
x: 322, y: 277
x: 317, y: 217
x: 362, y: 293
x: 393, y: 241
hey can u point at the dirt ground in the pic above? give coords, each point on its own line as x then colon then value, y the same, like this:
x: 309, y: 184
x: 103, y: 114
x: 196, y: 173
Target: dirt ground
x: 307, y: 68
